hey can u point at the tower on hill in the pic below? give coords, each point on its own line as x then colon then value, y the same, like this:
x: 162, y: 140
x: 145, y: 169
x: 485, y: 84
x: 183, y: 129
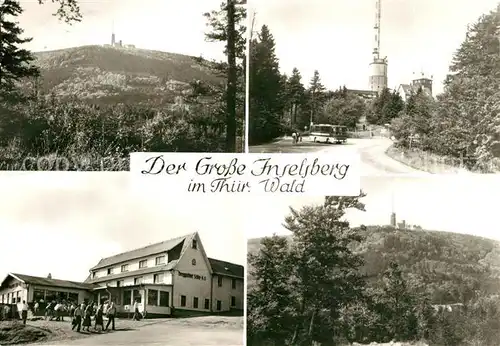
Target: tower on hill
x: 113, y: 38
x: 393, y: 213
x: 378, y: 75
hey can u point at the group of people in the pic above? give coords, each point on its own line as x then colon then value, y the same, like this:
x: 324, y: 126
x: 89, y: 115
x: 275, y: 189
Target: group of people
x: 296, y: 137
x: 54, y: 310
x: 82, y: 316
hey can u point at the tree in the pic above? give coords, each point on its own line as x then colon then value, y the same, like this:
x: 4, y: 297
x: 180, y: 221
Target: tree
x: 266, y: 88
x: 467, y: 118
x: 15, y: 63
x: 295, y: 98
x: 270, y: 303
x: 385, y: 107
x: 227, y: 26
x: 343, y: 109
x: 325, y: 270
x: 420, y: 109
x: 315, y: 95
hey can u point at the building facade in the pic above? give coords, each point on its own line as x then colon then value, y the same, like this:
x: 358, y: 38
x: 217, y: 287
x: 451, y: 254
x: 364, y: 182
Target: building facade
x: 166, y: 278
x: 422, y: 82
x: 16, y: 288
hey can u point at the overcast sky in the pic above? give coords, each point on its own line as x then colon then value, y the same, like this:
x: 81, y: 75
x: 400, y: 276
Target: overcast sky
x: 64, y: 223
x: 167, y: 25
x: 336, y: 37
x: 443, y: 203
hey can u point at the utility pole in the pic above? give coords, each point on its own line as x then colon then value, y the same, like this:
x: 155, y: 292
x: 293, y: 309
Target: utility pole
x: 231, y: 78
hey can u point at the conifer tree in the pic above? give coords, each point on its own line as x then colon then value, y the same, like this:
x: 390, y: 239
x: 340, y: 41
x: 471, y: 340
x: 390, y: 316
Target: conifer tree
x: 316, y: 96
x: 16, y: 63
x: 325, y: 268
x: 468, y: 118
x: 227, y: 25
x: 266, y: 84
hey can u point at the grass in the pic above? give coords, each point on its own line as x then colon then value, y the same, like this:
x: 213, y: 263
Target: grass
x: 427, y: 162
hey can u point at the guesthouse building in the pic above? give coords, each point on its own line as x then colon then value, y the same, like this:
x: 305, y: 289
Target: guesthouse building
x: 172, y: 277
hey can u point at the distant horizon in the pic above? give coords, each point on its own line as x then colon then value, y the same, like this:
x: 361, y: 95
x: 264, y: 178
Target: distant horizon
x: 109, y: 46
x: 336, y: 38
x: 388, y: 225
x: 163, y: 25
x: 442, y: 205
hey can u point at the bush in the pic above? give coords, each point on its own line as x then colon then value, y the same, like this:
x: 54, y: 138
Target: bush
x: 102, y: 137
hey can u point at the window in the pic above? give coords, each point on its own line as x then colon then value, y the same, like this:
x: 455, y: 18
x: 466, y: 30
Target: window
x: 233, y: 301
x: 195, y: 302
x: 153, y: 297
x: 158, y: 278
x: 50, y: 296
x: 38, y: 295
x: 160, y: 260
x: 117, y: 299
x: 207, y: 304
x: 110, y: 271
x: 127, y: 297
x: 138, y: 281
x: 137, y: 296
x: 193, y: 262
x: 219, y: 281
x: 93, y: 275
x: 219, y: 305
x: 194, y: 245
x: 125, y: 268
x: 143, y: 264
x: 164, y: 298
x: 183, y: 300
x: 119, y: 283
x: 73, y: 297
x: 233, y: 284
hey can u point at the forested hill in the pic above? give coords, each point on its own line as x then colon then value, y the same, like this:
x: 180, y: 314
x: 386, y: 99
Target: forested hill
x: 128, y: 75
x: 450, y: 266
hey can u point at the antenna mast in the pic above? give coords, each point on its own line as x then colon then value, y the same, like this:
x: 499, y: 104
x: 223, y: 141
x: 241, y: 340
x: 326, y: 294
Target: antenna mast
x: 376, y: 28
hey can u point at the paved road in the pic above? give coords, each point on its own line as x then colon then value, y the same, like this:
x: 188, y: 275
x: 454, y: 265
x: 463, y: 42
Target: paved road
x: 374, y: 160
x: 166, y: 333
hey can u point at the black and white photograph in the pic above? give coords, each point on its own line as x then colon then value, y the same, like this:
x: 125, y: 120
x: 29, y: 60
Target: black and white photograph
x: 411, y: 261
x: 87, y: 260
x: 85, y: 83
x: 412, y: 85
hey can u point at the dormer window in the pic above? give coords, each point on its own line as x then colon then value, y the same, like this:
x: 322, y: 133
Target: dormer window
x: 93, y: 275
x: 194, y: 244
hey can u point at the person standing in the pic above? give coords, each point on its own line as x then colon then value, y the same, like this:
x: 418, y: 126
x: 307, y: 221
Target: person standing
x: 86, y: 317
x: 111, y: 312
x: 99, y: 321
x: 77, y: 315
x: 24, y: 312
x: 137, y: 314
x: 36, y: 307
x: 58, y: 312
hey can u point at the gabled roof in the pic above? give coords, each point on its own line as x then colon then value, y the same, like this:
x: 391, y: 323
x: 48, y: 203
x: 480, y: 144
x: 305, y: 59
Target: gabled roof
x: 146, y: 251
x: 227, y: 268
x: 406, y: 88
x: 36, y: 280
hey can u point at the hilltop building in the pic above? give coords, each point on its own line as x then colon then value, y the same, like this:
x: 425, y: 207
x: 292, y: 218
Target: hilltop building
x: 173, y: 277
x: 118, y: 44
x: 422, y: 81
